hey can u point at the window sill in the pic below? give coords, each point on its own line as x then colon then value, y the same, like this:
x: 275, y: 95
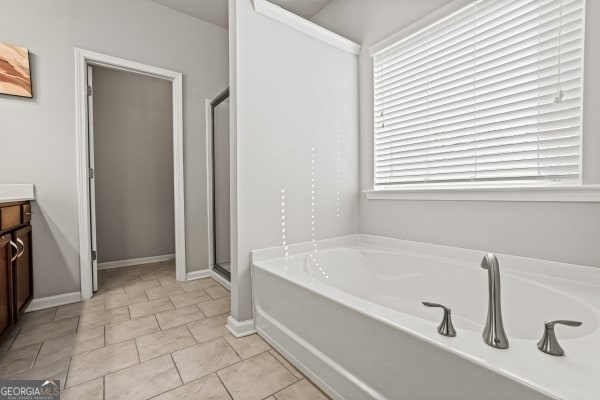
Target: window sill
x: 575, y: 194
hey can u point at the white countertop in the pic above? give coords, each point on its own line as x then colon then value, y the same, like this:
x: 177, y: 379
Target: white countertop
x: 16, y: 192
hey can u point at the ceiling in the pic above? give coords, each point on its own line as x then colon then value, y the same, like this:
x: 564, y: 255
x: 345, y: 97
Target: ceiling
x: 215, y: 11
x: 304, y: 8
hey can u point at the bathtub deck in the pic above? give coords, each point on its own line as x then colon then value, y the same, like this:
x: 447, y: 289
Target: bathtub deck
x: 366, y: 291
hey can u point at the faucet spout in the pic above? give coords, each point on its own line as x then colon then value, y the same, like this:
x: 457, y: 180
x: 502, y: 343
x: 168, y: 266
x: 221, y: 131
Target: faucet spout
x: 493, y: 333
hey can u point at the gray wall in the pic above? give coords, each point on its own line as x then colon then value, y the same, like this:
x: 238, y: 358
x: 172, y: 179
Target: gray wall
x: 41, y: 131
x: 567, y: 232
x: 133, y: 155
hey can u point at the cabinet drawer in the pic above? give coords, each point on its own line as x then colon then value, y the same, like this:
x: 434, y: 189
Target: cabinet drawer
x: 10, y: 217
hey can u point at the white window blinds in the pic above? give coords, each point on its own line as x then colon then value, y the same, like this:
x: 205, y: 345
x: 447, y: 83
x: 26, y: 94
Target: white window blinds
x: 491, y: 93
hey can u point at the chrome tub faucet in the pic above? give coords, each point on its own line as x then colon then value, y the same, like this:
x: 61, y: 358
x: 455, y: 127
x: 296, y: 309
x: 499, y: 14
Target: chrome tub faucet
x: 493, y: 333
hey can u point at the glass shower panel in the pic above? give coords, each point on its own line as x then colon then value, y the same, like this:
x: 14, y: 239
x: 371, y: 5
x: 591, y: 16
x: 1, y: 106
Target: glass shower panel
x: 221, y: 184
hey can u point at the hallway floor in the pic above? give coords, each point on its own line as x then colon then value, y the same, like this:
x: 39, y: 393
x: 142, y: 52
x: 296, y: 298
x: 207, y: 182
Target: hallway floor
x: 145, y: 335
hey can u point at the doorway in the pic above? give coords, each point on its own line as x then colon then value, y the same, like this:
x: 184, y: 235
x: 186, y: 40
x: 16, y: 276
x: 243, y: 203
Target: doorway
x: 88, y: 259
x: 131, y: 182
x: 219, y: 183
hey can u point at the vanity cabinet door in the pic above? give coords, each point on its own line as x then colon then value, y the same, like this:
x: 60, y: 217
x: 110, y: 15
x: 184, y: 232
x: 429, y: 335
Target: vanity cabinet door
x: 22, y: 269
x: 6, y: 309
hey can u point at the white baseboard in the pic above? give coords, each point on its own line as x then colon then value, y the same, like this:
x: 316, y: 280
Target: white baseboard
x: 240, y: 329
x: 222, y: 281
x: 135, y: 261
x: 203, y: 273
x: 53, y: 301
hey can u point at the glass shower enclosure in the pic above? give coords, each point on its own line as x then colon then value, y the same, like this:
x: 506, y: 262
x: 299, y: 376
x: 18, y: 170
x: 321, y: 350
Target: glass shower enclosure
x: 220, y: 185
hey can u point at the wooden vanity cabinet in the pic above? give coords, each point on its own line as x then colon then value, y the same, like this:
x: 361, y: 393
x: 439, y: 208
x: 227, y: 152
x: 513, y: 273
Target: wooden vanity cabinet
x: 16, y: 266
x: 22, y: 270
x: 6, y: 301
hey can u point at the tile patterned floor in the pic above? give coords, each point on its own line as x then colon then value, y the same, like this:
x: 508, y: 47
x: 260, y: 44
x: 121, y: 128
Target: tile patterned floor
x: 146, y: 336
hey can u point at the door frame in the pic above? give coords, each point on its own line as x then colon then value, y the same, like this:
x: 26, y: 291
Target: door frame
x: 83, y: 58
x: 92, y: 180
x: 210, y: 105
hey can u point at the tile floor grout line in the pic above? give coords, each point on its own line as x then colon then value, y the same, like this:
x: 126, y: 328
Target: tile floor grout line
x: 199, y: 309
x: 135, y: 343
x: 292, y: 372
x: 234, y: 350
x: 280, y: 363
x: 177, y: 369
x: 191, y: 333
x: 271, y: 395
x: 162, y: 355
x: 223, y: 383
x: 284, y: 388
x: 68, y: 370
x: 37, y: 354
x: 171, y: 301
x: 158, y: 394
x: 237, y: 362
x: 13, y: 338
x: 157, y: 323
x: 111, y: 372
x: 54, y: 314
x: 213, y: 372
x: 165, y: 392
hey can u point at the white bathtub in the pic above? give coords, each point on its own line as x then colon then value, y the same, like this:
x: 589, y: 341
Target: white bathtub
x: 350, y: 317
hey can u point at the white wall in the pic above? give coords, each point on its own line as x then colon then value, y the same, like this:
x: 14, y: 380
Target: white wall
x: 567, y: 232
x: 41, y: 132
x: 289, y: 91
x: 133, y: 165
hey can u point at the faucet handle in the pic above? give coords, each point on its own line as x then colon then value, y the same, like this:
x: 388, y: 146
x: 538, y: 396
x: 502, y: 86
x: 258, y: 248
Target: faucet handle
x: 549, y: 343
x: 445, y: 328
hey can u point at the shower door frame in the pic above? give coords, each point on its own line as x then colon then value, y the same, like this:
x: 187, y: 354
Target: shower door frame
x: 212, y: 234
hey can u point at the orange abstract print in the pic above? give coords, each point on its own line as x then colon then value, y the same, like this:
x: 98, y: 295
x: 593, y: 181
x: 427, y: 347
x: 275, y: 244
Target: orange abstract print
x: 15, y: 77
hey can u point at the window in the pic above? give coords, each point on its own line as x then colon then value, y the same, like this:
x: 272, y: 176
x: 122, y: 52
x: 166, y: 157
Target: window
x: 491, y: 94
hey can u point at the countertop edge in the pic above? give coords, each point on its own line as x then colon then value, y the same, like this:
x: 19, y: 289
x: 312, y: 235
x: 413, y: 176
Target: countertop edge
x: 16, y: 192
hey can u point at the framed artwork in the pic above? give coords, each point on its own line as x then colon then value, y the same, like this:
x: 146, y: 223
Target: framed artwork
x: 15, y: 76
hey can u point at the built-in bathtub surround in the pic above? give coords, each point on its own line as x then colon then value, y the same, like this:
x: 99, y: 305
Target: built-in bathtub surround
x: 294, y: 103
x: 365, y: 293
